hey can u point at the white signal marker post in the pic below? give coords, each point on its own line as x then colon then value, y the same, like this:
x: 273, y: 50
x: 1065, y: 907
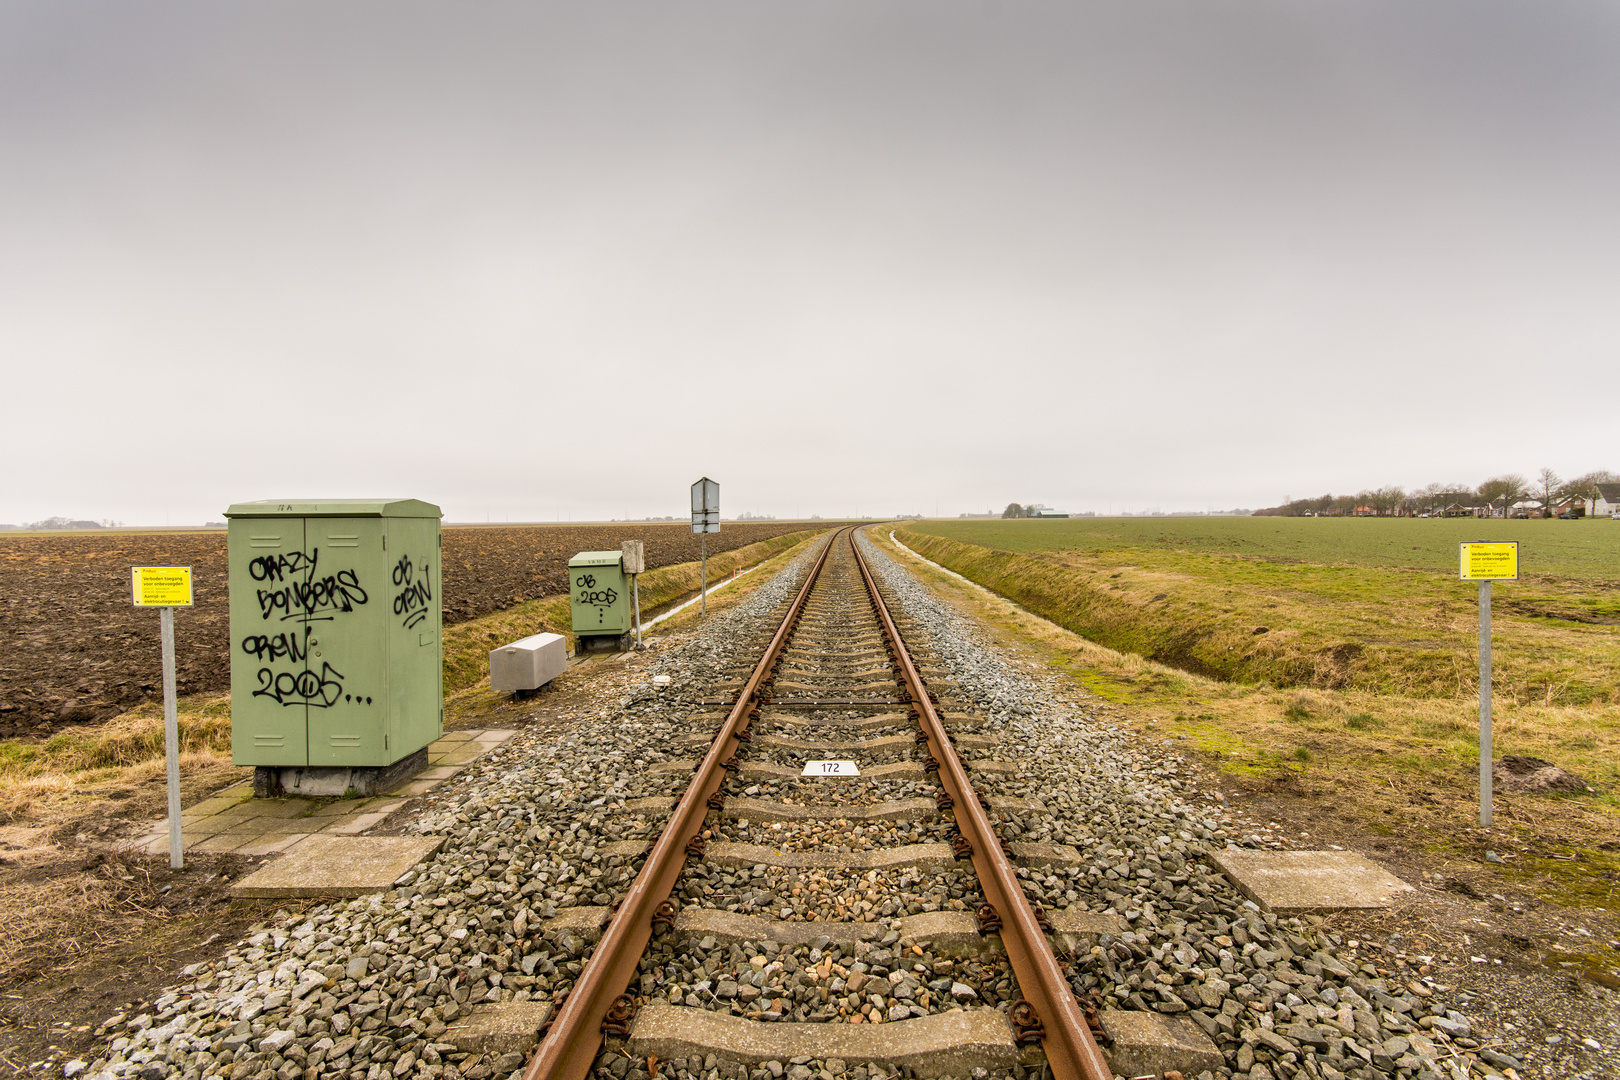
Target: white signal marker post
x: 166, y: 588
x: 1486, y: 563
x: 705, y: 520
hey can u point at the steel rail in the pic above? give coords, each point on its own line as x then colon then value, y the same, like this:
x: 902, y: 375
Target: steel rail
x: 1066, y: 1038
x: 569, y: 1048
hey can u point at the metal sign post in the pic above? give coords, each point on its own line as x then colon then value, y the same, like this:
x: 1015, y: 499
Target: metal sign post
x: 1485, y: 563
x: 634, y: 556
x: 705, y: 520
x: 166, y: 588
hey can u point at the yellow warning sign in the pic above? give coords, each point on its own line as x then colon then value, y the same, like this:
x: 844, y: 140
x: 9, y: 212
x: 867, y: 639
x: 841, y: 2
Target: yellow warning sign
x: 1491, y: 562
x: 162, y: 586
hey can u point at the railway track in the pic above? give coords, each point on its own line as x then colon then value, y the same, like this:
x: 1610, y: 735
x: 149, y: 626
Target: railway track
x: 816, y: 926
x: 802, y: 956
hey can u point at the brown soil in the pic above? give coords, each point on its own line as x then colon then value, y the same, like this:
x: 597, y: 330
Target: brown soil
x: 76, y: 649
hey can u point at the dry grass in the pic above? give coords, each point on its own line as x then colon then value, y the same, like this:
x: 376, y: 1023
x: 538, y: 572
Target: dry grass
x: 59, y: 918
x: 467, y: 645
x: 101, y: 760
x: 1392, y: 762
x: 1289, y: 623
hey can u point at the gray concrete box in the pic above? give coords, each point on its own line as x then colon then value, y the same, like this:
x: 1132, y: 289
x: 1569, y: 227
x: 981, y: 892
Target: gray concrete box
x: 527, y: 664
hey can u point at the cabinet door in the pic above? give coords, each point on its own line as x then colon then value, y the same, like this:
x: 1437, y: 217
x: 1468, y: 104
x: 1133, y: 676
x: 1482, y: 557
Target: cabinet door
x: 348, y: 646
x: 415, y: 672
x: 269, y: 569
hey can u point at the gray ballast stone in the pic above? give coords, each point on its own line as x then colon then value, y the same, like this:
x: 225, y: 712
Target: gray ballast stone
x: 1146, y: 1043
x: 944, y: 1044
x: 922, y: 856
x: 505, y: 1028
x: 869, y: 746
x: 946, y: 933
x: 338, y: 866
x: 767, y: 812
x: 730, y: 928
x: 1294, y: 882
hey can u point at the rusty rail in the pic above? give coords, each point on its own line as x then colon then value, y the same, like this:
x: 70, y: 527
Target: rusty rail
x: 1066, y: 1038
x: 570, y: 1045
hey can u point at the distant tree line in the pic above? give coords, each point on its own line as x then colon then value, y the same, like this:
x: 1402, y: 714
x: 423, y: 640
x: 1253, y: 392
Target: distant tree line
x: 1496, y: 495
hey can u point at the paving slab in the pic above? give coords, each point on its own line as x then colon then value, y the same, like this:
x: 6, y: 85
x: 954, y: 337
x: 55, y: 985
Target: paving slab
x: 731, y: 928
x: 271, y: 844
x: 1296, y: 882
x: 944, y: 1044
x: 353, y: 825
x: 504, y: 1028
x: 326, y: 865
x: 1148, y: 1044
x: 221, y: 842
x: 414, y: 787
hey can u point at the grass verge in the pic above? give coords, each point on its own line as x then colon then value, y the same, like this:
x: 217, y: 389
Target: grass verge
x: 1387, y: 763
x: 1289, y: 623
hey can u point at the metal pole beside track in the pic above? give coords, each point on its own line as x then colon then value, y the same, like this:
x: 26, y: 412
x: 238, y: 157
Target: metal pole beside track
x: 171, y: 739
x: 1485, y: 703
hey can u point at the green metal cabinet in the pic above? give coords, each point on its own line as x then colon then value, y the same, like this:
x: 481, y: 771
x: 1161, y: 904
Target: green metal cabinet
x: 335, y: 631
x: 600, y: 594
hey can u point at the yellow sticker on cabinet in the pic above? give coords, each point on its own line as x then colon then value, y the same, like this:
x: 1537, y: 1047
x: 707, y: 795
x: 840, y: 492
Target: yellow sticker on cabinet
x: 162, y: 586
x: 1491, y: 562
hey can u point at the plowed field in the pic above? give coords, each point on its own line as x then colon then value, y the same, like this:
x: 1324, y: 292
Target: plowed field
x: 73, y: 648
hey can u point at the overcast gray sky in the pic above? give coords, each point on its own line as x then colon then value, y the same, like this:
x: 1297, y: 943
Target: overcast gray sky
x: 531, y: 260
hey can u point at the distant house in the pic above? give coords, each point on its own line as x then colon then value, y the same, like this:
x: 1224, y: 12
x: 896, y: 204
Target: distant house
x: 1036, y: 510
x: 1607, y: 503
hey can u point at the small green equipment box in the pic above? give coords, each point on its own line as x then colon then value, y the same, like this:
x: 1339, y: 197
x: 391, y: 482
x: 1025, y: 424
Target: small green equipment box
x: 601, y: 599
x: 335, y: 631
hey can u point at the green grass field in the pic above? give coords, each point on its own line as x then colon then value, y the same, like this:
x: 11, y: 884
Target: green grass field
x: 1581, y: 550
x: 1313, y: 602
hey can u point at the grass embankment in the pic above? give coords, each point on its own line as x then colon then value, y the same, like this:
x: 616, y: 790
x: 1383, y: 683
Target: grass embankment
x: 1389, y: 730
x: 56, y: 780
x: 1360, y: 604
x: 113, y: 758
x: 467, y: 645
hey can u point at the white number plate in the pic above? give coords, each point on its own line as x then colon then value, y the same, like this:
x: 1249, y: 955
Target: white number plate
x: 830, y: 768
